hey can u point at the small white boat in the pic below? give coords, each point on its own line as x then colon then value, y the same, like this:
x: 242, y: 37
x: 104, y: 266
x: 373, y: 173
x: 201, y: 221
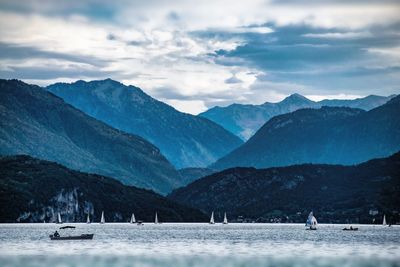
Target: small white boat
x: 225, y: 219
x: 88, y: 219
x: 133, y: 219
x: 156, y: 219
x: 102, y: 220
x: 59, y: 218
x: 384, y: 220
x: 212, y: 218
x: 311, y: 223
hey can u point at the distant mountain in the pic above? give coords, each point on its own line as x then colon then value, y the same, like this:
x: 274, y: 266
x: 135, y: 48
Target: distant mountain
x: 34, y: 190
x: 335, y: 193
x: 245, y: 120
x: 366, y: 103
x: 333, y: 135
x: 186, y: 140
x: 191, y: 174
x: 38, y: 123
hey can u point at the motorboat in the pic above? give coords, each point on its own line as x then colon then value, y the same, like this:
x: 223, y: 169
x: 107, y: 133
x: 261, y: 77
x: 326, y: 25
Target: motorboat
x: 76, y: 237
x: 57, y: 236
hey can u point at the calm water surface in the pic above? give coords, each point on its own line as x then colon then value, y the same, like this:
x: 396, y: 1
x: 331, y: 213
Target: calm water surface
x: 205, y: 245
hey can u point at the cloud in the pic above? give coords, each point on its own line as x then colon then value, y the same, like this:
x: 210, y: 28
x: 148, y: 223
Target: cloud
x: 217, y: 53
x: 195, y: 106
x: 339, y: 35
x: 17, y: 52
x: 233, y: 80
x: 48, y: 72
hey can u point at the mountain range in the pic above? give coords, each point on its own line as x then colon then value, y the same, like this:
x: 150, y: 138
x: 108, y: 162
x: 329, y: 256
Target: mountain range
x: 334, y: 135
x: 245, y: 120
x: 33, y: 190
x: 185, y: 140
x: 37, y: 123
x: 336, y: 193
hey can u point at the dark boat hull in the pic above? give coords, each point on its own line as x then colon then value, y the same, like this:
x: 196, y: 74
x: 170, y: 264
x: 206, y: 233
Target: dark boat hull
x: 78, y: 237
x: 348, y: 229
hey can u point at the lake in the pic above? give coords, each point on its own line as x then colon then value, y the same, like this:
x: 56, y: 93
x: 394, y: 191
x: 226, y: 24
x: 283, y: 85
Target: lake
x: 176, y: 245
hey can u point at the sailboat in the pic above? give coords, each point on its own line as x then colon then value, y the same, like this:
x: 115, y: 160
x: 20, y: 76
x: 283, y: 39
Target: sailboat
x: 311, y: 223
x: 225, y: 219
x: 102, y: 220
x: 384, y: 220
x: 59, y: 218
x: 133, y: 219
x: 212, y: 218
x: 88, y: 219
x: 156, y: 219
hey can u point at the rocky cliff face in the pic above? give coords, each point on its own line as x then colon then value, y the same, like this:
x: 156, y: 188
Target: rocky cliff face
x: 34, y: 190
x: 186, y: 140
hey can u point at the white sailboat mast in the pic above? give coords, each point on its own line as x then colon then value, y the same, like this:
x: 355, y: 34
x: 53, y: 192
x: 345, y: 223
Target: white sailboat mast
x: 59, y: 218
x: 102, y: 220
x: 212, y: 218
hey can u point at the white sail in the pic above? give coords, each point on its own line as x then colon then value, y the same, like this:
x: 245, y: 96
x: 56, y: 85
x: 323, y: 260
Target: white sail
x: 225, y: 219
x: 156, y: 219
x: 59, y: 218
x: 133, y: 220
x: 102, y: 220
x: 314, y: 221
x: 311, y: 221
x: 384, y: 220
x: 88, y: 218
x: 212, y: 218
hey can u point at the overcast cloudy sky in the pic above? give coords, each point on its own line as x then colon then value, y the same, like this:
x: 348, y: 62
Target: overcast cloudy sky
x: 198, y: 54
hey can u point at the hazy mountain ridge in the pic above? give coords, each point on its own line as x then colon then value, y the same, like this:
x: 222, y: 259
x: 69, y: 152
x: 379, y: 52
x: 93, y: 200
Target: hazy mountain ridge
x: 332, y: 135
x: 36, y: 122
x: 191, y: 174
x: 335, y: 193
x: 74, y: 194
x: 245, y: 120
x: 186, y: 140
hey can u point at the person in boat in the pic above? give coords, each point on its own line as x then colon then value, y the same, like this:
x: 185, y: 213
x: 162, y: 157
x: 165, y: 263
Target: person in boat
x: 351, y: 227
x: 56, y: 234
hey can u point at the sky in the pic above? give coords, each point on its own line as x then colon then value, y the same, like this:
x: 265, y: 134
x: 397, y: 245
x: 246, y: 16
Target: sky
x: 195, y: 55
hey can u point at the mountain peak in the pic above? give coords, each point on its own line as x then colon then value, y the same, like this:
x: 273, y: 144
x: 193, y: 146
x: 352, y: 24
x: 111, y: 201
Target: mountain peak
x: 183, y: 138
x: 105, y: 81
x: 84, y: 83
x: 295, y: 98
